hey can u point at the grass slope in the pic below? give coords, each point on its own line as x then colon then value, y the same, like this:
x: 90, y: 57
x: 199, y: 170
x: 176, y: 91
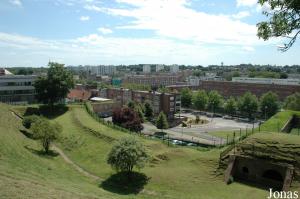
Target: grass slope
x: 25, y: 173
x: 174, y: 172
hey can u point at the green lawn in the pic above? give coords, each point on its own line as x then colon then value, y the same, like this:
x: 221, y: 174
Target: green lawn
x: 173, y: 172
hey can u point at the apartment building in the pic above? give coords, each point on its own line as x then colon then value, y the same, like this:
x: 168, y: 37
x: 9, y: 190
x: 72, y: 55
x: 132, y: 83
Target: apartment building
x: 153, y: 80
x: 16, y: 89
x: 266, y: 81
x: 101, y: 70
x: 166, y: 102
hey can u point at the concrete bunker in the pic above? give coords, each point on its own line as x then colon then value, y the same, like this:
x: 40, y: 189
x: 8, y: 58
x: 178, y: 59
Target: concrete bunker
x: 260, y: 172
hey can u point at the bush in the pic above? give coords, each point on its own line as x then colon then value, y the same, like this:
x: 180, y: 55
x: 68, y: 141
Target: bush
x: 29, y: 120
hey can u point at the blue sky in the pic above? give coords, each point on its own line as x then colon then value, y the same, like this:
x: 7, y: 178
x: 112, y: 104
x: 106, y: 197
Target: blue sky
x: 90, y: 32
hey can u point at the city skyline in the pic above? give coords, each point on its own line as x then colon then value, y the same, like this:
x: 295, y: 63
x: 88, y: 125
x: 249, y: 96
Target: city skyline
x: 92, y: 32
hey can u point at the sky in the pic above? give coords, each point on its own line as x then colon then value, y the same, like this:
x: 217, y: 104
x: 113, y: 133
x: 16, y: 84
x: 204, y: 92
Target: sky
x: 93, y: 32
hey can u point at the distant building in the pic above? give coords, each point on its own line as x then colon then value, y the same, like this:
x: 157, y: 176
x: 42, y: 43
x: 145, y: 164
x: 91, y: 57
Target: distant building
x: 166, y: 102
x: 153, y: 80
x: 174, y: 68
x: 16, y: 89
x: 267, y: 81
x: 159, y: 67
x: 146, y: 69
x: 101, y: 70
x: 195, y: 81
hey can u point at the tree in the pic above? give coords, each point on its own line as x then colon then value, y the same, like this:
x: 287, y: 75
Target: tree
x: 46, y: 132
x: 200, y: 100
x: 140, y: 113
x: 127, y: 118
x: 284, y: 21
x: 131, y: 104
x: 162, y: 122
x: 55, y: 86
x: 230, y: 106
x: 186, y: 97
x: 269, y: 104
x: 148, y: 110
x: 214, y: 100
x: 127, y: 154
x: 292, y: 102
x: 248, y: 104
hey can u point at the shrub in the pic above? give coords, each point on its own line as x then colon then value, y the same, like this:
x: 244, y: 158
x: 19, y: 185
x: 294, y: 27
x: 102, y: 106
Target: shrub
x: 29, y: 120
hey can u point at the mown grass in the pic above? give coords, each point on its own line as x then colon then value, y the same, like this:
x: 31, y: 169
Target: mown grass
x: 173, y: 172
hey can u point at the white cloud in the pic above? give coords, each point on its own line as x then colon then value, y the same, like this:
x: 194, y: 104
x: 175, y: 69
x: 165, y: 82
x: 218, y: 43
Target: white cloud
x: 105, y: 30
x: 84, y: 18
x: 241, y: 15
x: 16, y: 2
x: 93, y: 7
x: 248, y: 48
x: 246, y: 3
x: 175, y: 19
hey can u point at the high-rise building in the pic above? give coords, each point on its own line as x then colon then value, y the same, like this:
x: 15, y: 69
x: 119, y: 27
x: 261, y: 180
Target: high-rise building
x: 174, y: 68
x: 159, y: 67
x: 146, y: 68
x: 101, y: 70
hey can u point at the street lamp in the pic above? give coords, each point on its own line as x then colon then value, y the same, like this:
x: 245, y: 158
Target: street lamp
x: 266, y: 112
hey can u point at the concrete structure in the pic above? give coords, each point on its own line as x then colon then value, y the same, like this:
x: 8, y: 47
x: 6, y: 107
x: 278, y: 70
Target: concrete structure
x: 174, y: 68
x: 153, y: 80
x: 195, y: 81
x: 236, y: 89
x: 17, y: 89
x: 263, y: 172
x: 267, y: 81
x: 101, y: 70
x: 166, y: 102
x: 159, y: 67
x: 146, y: 69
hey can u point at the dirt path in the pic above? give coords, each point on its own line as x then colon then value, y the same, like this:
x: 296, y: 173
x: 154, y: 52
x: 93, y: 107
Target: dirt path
x: 69, y: 161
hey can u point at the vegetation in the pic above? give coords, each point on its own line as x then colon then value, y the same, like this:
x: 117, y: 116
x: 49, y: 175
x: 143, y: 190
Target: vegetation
x: 230, y: 106
x: 200, y: 100
x: 248, y: 104
x: 284, y: 21
x: 162, y: 122
x: 127, y: 118
x: 55, y: 86
x: 46, y: 132
x: 148, y: 110
x: 186, y: 97
x: 29, y: 120
x: 214, y: 101
x: 292, y: 102
x: 269, y: 104
x: 127, y: 154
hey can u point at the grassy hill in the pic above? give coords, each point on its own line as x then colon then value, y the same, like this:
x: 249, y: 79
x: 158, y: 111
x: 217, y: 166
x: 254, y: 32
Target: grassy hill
x: 173, y: 172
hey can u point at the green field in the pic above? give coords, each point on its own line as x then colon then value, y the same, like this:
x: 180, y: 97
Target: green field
x: 173, y: 172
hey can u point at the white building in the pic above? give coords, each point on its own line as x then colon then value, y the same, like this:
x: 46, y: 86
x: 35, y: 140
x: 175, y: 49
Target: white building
x: 267, y: 81
x: 159, y: 67
x: 174, y: 68
x: 146, y: 68
x: 101, y: 70
x: 17, y: 89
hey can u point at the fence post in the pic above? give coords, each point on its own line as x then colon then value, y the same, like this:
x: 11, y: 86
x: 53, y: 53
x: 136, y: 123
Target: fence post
x: 227, y: 140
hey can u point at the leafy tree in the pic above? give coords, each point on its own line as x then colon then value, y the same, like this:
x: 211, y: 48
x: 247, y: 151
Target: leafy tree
x: 162, y: 122
x: 292, y: 102
x: 284, y: 21
x: 230, y: 106
x: 55, y: 86
x: 140, y: 114
x: 200, y: 100
x: 127, y: 118
x: 127, y: 154
x: 148, y: 110
x: 214, y: 100
x: 29, y: 120
x: 46, y: 132
x: 131, y: 105
x: 248, y: 104
x: 269, y: 104
x: 186, y: 97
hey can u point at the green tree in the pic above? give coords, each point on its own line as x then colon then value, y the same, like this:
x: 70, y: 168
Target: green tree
x: 269, y: 104
x: 248, y: 104
x: 292, y: 102
x: 284, y: 21
x: 148, y: 110
x: 186, y: 97
x: 200, y: 100
x: 162, y: 122
x: 214, y: 100
x: 55, y: 86
x: 126, y: 154
x: 46, y: 132
x: 230, y: 106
